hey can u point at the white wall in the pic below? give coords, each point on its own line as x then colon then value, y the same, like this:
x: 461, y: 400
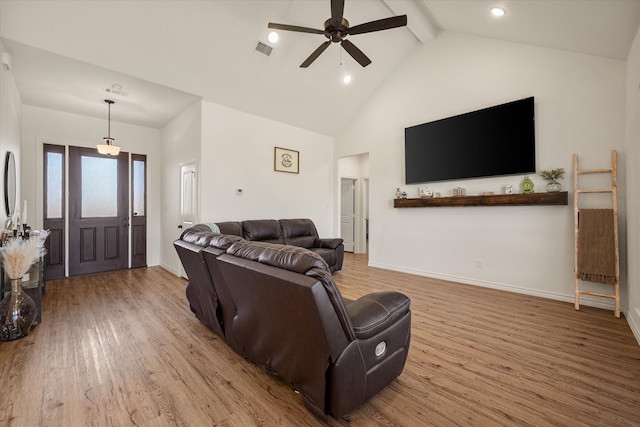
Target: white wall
x: 180, y: 144
x: 580, y: 105
x: 633, y: 184
x: 10, y: 116
x: 41, y: 125
x: 238, y: 152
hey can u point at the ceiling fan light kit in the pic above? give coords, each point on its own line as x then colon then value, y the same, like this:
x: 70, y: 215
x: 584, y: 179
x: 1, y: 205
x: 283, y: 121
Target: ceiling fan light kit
x: 108, y: 148
x: 337, y: 28
x: 498, y: 11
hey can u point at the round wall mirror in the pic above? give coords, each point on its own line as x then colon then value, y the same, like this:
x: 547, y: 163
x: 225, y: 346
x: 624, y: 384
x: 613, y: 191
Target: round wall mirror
x: 10, y: 184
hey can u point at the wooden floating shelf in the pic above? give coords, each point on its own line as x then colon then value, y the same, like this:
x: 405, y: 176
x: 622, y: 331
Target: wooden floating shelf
x: 540, y: 199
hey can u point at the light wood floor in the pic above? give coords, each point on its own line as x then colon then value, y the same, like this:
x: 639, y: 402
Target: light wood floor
x: 123, y: 349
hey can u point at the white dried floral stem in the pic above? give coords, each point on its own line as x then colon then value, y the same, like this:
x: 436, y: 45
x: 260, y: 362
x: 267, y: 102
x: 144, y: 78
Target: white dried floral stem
x: 18, y: 255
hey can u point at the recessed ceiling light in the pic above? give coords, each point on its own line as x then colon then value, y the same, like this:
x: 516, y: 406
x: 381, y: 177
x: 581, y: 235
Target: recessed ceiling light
x: 273, y: 37
x: 498, y: 11
x: 346, y: 79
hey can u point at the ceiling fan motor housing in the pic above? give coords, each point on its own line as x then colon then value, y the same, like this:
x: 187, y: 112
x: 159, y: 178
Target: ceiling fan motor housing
x: 333, y: 33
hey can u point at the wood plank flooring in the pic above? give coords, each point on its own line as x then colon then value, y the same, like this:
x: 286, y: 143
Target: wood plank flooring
x: 123, y: 349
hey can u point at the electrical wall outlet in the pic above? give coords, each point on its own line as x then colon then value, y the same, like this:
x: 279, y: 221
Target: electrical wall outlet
x: 238, y: 191
x: 478, y: 263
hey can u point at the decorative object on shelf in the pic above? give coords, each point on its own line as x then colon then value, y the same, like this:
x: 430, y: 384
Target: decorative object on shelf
x: 404, y: 194
x: 398, y: 193
x: 553, y: 176
x: 108, y: 148
x: 18, y: 312
x: 285, y: 160
x: 527, y: 185
x: 459, y: 192
x: 436, y: 194
x: 508, y: 189
x: 424, y: 192
x: 487, y: 193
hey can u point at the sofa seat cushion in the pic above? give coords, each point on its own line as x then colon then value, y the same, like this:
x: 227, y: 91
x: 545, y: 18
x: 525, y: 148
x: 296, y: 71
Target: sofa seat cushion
x: 289, y: 258
x: 376, y: 312
x: 263, y: 230
x: 329, y: 255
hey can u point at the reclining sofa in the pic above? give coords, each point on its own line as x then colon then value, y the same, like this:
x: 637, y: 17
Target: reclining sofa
x: 296, y: 232
x: 278, y: 306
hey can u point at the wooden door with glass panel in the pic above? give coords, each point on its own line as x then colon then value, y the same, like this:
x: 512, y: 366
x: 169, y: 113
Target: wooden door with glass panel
x: 98, y: 211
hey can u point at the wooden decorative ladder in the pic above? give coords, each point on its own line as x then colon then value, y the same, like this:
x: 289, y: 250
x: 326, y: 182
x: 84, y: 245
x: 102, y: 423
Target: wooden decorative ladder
x: 614, y: 193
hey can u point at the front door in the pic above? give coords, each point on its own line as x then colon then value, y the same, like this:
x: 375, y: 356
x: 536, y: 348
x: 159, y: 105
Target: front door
x: 98, y: 211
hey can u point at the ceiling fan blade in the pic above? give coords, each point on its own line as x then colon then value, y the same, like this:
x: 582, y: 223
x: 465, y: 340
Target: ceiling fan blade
x: 380, y: 24
x: 356, y: 53
x: 286, y: 27
x: 337, y: 10
x: 315, y: 54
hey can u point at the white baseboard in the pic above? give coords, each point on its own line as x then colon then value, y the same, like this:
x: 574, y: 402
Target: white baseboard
x: 584, y: 300
x: 633, y: 318
x: 170, y: 269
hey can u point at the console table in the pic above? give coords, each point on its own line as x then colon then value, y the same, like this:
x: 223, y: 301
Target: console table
x: 559, y: 198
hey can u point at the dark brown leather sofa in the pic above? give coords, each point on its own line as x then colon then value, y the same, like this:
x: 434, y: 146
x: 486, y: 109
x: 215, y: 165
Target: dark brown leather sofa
x: 278, y: 306
x: 296, y: 232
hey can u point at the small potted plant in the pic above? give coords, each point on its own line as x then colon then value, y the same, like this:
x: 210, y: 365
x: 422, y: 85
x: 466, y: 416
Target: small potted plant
x: 553, y: 176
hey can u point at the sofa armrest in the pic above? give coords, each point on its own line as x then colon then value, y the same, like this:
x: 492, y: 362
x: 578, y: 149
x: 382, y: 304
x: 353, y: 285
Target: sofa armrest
x: 332, y: 243
x: 375, y: 312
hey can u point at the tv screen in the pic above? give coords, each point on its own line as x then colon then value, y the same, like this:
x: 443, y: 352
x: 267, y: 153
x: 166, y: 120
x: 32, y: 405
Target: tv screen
x: 498, y: 140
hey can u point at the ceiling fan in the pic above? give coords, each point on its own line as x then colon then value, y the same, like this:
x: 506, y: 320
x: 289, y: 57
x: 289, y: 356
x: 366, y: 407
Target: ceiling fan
x: 337, y: 28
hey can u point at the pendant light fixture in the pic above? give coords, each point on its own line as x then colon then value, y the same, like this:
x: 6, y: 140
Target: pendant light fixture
x: 108, y: 148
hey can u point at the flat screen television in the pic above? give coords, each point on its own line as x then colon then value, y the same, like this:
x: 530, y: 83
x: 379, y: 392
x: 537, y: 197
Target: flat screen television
x: 498, y: 140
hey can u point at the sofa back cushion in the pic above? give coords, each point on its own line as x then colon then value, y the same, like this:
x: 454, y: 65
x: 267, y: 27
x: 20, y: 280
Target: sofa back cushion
x: 298, y: 260
x: 230, y: 227
x: 263, y: 230
x: 289, y: 258
x: 223, y: 241
x: 299, y: 232
x: 199, y: 234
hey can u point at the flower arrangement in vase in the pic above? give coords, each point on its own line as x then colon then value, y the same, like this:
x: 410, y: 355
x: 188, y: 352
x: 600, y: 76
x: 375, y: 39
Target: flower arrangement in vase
x: 18, y: 311
x: 553, y: 176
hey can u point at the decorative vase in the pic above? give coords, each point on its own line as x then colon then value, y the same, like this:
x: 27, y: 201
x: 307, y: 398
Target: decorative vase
x: 398, y: 193
x: 17, y: 313
x: 553, y: 186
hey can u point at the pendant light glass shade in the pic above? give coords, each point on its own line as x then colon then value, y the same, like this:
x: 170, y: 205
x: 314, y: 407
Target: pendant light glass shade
x: 108, y: 148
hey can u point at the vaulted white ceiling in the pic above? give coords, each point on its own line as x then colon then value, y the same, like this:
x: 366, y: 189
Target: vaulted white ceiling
x: 167, y: 54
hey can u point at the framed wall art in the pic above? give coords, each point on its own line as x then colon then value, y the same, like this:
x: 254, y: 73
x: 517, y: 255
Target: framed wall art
x: 285, y: 160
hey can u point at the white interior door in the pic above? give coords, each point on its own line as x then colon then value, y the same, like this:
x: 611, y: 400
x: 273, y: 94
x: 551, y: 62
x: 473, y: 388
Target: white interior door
x: 188, y: 199
x: 347, y: 212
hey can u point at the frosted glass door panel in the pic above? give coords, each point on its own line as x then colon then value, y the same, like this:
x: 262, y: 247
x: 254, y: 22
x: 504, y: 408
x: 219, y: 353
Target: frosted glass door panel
x: 99, y: 187
x: 54, y: 184
x: 138, y: 188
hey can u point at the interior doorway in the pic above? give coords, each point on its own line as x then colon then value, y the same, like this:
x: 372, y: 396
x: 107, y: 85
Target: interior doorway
x: 347, y: 212
x: 188, y: 200
x: 354, y: 171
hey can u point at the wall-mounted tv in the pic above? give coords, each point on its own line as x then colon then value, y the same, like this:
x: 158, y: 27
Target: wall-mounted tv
x: 498, y: 140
